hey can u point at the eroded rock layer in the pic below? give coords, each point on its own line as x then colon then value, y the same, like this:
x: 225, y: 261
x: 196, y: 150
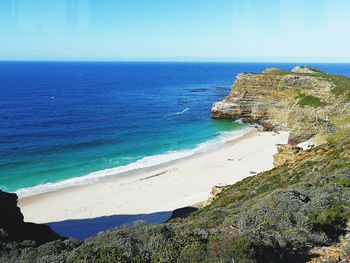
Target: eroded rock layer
x: 307, y: 102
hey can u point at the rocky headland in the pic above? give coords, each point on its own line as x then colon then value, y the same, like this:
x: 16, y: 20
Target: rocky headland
x: 297, y: 212
x: 307, y: 102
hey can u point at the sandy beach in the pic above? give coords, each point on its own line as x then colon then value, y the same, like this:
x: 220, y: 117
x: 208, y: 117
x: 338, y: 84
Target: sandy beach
x: 164, y: 188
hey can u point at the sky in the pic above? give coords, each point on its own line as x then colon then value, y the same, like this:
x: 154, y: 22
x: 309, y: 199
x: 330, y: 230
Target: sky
x: 176, y: 30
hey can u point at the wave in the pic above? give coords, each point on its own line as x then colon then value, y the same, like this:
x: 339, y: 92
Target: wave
x: 181, y: 112
x: 146, y: 162
x: 240, y: 121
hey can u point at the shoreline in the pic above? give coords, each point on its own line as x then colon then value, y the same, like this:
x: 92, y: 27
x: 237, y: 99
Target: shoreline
x: 129, y: 170
x: 162, y: 188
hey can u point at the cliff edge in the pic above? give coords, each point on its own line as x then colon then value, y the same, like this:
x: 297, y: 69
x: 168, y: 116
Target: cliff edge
x: 305, y: 101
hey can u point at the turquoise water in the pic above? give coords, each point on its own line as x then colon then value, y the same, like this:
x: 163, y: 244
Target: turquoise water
x: 67, y: 120
x: 66, y: 123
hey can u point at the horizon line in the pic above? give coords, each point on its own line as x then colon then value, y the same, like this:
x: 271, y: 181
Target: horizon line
x: 173, y: 61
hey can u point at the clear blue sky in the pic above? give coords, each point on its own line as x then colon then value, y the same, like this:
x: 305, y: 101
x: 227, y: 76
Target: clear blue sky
x: 190, y: 30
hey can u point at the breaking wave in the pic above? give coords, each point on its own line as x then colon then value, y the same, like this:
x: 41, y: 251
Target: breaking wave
x: 146, y: 162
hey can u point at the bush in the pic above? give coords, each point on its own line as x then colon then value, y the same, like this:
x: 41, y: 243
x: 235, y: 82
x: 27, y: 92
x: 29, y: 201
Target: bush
x: 194, y: 252
x: 232, y: 249
x: 331, y: 221
x: 306, y: 100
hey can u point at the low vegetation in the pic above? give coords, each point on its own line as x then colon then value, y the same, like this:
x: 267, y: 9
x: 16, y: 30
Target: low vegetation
x: 342, y: 87
x: 275, y: 216
x: 341, y: 83
x: 307, y: 100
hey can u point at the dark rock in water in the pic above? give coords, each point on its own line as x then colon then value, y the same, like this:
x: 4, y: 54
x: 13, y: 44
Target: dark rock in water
x: 13, y: 227
x: 199, y: 90
x: 222, y: 88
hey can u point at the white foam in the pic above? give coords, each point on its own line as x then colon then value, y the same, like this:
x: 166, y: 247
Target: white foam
x: 145, y: 162
x: 240, y: 121
x: 181, y: 112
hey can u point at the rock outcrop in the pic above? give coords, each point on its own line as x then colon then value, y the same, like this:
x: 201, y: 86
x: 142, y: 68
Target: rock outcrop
x: 305, y: 102
x: 286, y: 154
x: 338, y: 252
x: 307, y: 70
x: 13, y: 227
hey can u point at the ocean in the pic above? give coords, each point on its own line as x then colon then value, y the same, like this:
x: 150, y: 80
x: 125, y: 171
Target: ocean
x: 69, y: 123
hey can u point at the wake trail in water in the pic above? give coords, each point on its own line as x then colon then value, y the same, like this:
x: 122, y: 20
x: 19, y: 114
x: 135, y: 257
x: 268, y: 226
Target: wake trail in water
x: 181, y: 112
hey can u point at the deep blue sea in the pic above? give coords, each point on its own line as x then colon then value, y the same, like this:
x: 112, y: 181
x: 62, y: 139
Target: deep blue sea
x: 65, y: 123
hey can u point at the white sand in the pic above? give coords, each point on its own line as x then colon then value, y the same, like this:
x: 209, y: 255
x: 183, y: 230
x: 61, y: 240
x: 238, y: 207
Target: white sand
x: 177, y: 184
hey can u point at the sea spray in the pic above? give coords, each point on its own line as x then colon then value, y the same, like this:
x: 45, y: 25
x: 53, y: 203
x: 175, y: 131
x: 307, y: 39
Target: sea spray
x: 181, y: 112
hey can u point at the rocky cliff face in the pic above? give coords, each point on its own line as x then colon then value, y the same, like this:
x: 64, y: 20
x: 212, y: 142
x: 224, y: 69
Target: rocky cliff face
x: 307, y: 102
x: 13, y: 228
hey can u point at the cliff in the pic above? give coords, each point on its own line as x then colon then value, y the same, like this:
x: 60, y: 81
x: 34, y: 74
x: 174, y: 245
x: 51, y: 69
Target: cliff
x: 307, y: 102
x: 13, y: 228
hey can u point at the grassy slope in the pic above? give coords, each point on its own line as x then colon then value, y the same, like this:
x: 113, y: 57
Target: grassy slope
x: 307, y: 100
x: 341, y: 83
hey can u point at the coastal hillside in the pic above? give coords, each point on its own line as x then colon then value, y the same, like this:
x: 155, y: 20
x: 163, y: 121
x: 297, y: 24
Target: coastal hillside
x: 297, y: 212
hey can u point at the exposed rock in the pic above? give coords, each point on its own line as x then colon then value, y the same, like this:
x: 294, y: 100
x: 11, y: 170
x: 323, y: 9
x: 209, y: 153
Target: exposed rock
x: 302, y: 104
x: 339, y: 252
x: 216, y: 191
x: 307, y: 70
x: 272, y: 71
x: 13, y: 228
x: 286, y: 153
x: 307, y: 144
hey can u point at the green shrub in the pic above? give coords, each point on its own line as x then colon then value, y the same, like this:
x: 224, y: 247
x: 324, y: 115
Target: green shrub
x: 331, y: 221
x: 232, y: 249
x: 194, y: 252
x: 110, y: 254
x: 344, y: 182
x: 342, y: 87
x: 307, y: 100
